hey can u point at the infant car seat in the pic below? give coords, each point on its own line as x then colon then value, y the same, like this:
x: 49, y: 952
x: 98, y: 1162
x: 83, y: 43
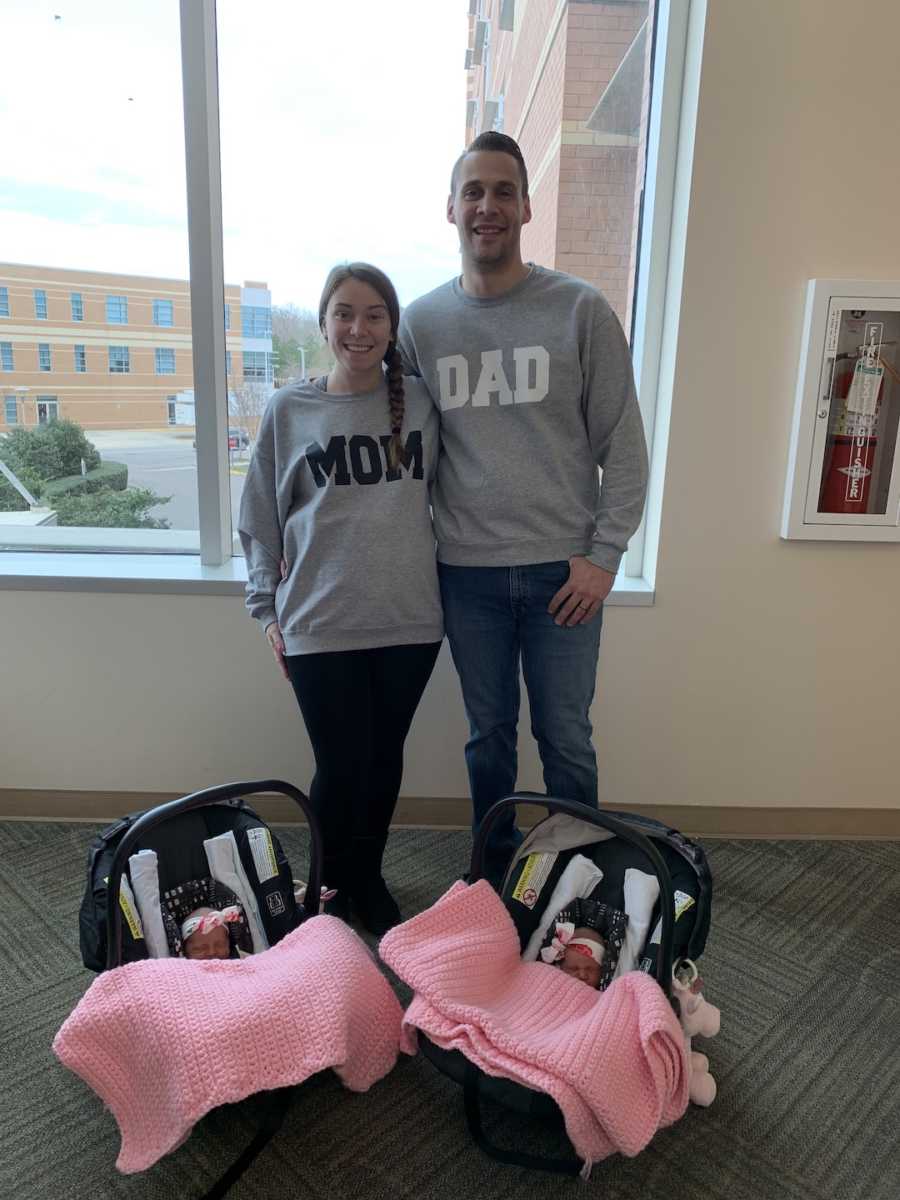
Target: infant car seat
x: 176, y: 831
x: 622, y: 845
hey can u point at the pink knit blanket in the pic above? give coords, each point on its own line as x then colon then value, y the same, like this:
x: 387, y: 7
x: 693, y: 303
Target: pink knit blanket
x: 614, y: 1062
x: 163, y: 1041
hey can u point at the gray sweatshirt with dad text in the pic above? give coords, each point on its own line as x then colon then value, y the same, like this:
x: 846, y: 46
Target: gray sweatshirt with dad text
x: 355, y: 535
x: 535, y: 391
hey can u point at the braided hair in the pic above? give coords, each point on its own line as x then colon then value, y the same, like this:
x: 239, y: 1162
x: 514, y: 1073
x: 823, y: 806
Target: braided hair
x: 393, y: 361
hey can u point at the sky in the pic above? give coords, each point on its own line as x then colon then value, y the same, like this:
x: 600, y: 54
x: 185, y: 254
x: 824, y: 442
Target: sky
x: 339, y: 125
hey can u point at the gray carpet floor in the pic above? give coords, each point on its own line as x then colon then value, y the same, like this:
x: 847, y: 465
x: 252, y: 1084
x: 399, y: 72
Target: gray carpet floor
x: 803, y: 959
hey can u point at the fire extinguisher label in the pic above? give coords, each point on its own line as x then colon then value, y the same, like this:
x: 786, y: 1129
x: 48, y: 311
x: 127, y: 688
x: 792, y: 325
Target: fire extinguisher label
x: 863, y: 395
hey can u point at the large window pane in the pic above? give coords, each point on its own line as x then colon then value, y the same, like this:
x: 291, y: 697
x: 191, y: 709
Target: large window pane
x: 94, y: 270
x: 357, y: 118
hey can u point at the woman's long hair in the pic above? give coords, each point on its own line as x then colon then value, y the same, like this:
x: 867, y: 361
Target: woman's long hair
x: 376, y: 279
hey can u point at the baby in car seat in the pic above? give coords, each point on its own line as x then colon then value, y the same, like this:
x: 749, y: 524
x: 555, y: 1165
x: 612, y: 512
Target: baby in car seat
x: 585, y: 941
x: 205, y: 932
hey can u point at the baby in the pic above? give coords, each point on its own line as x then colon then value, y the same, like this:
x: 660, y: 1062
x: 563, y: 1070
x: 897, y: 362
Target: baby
x: 585, y: 941
x: 583, y: 956
x: 205, y: 932
x: 577, y: 951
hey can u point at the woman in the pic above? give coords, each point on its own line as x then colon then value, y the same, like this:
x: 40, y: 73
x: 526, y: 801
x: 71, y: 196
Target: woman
x: 336, y: 528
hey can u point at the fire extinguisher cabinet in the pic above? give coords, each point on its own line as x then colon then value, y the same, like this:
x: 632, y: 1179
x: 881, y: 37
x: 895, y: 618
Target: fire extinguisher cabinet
x: 843, y: 480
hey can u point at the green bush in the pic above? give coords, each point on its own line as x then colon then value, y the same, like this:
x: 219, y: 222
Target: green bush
x: 108, y: 475
x: 108, y: 509
x: 10, y: 500
x: 49, y: 451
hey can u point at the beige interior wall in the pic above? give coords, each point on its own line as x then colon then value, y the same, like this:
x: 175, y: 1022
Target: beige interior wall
x: 766, y: 673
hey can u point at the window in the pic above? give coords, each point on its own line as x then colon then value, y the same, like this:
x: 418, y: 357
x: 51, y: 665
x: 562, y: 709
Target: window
x: 40, y: 304
x: 162, y: 312
x: 117, y: 310
x: 256, y: 321
x: 227, y: 316
x: 227, y: 362
x: 4, y: 302
x: 80, y: 360
x: 77, y: 306
x: 172, y: 411
x: 6, y: 356
x: 255, y: 364
x: 47, y: 409
x: 10, y: 410
x: 44, y: 363
x: 119, y: 360
x: 165, y: 361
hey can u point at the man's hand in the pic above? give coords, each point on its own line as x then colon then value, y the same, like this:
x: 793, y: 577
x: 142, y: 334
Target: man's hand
x: 276, y: 641
x: 581, y: 595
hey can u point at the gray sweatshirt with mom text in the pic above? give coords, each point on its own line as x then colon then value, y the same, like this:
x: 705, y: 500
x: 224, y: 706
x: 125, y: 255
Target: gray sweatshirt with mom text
x: 535, y: 392
x: 355, y: 534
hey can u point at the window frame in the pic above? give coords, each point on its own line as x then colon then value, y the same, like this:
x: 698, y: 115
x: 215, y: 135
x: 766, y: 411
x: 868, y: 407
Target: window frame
x: 118, y: 370
x: 80, y: 356
x: 76, y: 298
x: 156, y: 311
x: 40, y: 304
x: 7, y: 356
x: 157, y: 351
x: 113, y: 304
x: 45, y: 357
x: 7, y: 398
x: 166, y: 560
x: 4, y: 301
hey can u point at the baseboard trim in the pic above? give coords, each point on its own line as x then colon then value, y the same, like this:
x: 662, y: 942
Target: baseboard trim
x: 719, y: 821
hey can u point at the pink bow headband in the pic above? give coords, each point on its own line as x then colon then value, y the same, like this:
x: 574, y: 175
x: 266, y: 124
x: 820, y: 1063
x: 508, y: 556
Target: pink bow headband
x: 563, y: 941
x: 204, y: 922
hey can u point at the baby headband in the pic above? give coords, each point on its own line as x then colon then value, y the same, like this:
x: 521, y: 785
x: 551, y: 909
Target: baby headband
x: 563, y: 941
x: 204, y: 922
x: 588, y: 948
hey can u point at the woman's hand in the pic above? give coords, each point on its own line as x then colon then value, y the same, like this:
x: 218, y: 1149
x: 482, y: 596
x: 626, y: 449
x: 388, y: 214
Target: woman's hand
x: 276, y: 641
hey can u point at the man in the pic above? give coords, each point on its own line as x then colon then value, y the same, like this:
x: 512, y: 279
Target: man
x: 532, y: 374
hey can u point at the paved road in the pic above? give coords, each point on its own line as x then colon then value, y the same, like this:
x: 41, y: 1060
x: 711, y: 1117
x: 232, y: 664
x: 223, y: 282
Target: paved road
x: 166, y: 463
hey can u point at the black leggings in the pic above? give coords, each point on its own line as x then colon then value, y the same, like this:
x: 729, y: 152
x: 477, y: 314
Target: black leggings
x: 357, y: 706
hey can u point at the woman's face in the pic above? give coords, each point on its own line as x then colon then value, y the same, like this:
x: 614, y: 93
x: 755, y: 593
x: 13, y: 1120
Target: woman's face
x: 357, y: 326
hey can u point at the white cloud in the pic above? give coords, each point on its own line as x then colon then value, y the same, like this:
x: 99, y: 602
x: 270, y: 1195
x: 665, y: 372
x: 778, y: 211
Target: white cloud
x: 339, y: 125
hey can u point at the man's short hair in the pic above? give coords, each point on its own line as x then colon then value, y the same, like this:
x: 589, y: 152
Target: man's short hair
x: 498, y: 143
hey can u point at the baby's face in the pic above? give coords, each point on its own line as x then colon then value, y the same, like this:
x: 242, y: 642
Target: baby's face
x: 212, y: 944
x: 582, y: 966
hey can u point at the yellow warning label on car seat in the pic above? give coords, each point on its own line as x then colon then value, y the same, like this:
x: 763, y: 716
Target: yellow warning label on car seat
x: 131, y: 916
x: 263, y: 852
x: 534, y: 875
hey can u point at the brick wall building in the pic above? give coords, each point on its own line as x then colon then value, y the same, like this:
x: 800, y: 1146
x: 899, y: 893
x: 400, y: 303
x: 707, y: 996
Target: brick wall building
x: 114, y: 351
x: 569, y: 80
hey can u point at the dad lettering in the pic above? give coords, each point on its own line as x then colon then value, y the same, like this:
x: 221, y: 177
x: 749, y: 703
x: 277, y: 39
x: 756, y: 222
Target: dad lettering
x: 361, y: 458
x: 531, y: 379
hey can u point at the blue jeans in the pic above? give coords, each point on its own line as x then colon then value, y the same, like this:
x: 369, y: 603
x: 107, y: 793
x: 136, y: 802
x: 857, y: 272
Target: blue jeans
x: 495, y: 616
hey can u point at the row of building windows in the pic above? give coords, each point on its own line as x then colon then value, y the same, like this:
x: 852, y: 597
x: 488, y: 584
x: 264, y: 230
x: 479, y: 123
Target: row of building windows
x: 255, y: 321
x: 257, y: 363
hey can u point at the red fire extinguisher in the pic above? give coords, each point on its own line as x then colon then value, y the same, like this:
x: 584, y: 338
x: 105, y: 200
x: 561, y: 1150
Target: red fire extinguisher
x: 847, y: 479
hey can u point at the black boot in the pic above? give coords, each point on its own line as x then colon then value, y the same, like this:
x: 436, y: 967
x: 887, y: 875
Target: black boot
x: 335, y: 875
x: 373, y: 904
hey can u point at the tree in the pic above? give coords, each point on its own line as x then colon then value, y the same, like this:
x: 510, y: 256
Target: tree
x: 108, y: 509
x: 295, y: 329
x: 38, y: 455
x: 246, y: 404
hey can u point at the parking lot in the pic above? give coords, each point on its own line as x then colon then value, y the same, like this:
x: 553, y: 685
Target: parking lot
x: 166, y: 461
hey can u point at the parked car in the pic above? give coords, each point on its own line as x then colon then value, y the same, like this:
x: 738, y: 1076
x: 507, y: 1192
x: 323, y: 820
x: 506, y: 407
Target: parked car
x: 238, y: 439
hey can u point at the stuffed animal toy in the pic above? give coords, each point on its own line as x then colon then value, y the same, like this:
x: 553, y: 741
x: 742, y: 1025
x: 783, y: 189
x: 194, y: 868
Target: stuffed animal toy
x: 698, y: 1018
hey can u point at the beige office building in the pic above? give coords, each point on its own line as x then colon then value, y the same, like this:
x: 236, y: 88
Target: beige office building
x: 114, y: 351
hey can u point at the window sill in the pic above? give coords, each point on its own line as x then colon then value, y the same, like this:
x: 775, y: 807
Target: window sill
x: 173, y: 574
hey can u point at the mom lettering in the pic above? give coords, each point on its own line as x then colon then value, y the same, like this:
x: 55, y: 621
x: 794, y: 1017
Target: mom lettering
x: 530, y: 381
x: 363, y: 459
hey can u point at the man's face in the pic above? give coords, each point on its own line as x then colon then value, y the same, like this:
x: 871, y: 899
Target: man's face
x: 488, y: 208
